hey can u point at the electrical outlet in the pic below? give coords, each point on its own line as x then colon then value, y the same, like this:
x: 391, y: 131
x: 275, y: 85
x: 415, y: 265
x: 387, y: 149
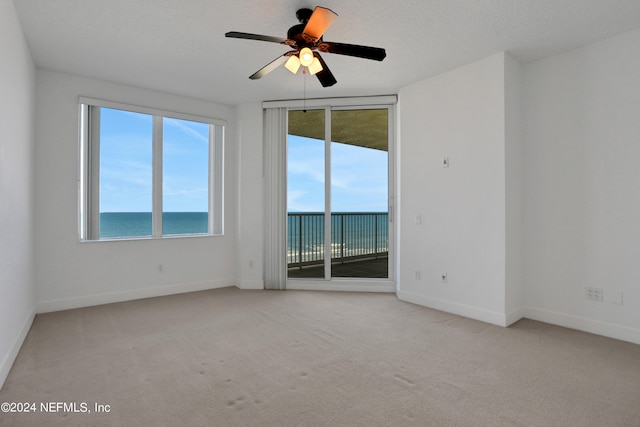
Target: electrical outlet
x: 418, y: 275
x: 594, y: 294
x: 443, y: 277
x: 615, y: 297
x: 160, y: 268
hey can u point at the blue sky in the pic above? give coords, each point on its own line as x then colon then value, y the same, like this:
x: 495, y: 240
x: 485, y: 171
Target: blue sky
x: 125, y: 163
x: 359, y: 175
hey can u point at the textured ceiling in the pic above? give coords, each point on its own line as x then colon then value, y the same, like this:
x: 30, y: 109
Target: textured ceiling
x: 178, y: 46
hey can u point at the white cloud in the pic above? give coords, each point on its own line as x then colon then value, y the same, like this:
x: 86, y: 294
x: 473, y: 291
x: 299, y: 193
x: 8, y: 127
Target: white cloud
x: 296, y: 202
x: 186, y: 129
x: 311, y: 168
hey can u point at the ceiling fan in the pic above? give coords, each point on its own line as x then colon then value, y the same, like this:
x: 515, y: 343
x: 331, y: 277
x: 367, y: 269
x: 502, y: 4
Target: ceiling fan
x: 306, y: 41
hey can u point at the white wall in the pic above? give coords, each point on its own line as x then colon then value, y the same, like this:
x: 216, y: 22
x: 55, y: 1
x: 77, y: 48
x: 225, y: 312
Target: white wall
x: 73, y: 274
x: 459, y: 115
x: 582, y: 187
x: 17, y: 109
x: 514, y: 287
x: 250, y: 192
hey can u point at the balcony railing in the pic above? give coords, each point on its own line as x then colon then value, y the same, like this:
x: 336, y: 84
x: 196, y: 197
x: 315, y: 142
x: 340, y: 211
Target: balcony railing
x: 353, y: 236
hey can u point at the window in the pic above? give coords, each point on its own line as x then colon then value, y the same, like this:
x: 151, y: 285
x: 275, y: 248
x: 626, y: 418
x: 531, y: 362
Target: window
x: 148, y: 173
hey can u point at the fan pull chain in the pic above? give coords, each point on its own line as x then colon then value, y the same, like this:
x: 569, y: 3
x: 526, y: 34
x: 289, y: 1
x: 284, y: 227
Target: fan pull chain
x: 304, y: 99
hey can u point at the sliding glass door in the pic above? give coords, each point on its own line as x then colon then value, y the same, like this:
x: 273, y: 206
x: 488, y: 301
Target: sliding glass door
x: 306, y: 194
x: 338, y: 193
x: 359, y: 193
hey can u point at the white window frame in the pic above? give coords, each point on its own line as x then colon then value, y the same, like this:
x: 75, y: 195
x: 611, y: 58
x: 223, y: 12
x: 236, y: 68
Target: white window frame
x: 89, y: 170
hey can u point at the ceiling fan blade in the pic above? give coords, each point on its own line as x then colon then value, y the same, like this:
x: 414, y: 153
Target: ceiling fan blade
x: 367, y: 52
x: 238, y: 35
x: 325, y: 76
x: 320, y: 20
x: 269, y: 67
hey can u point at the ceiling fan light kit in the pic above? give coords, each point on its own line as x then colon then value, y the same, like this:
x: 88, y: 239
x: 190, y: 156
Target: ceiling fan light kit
x: 293, y: 64
x: 306, y: 40
x: 315, y: 67
x: 306, y: 57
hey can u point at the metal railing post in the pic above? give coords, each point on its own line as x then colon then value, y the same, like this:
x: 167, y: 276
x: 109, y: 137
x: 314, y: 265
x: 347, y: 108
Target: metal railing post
x: 300, y: 240
x: 342, y: 222
x: 376, y: 235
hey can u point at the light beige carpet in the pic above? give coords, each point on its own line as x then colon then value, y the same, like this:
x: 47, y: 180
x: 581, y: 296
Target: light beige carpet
x: 268, y: 358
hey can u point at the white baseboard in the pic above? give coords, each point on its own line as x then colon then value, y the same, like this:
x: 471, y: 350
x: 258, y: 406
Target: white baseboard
x: 514, y: 316
x: 10, y: 357
x: 346, y: 285
x: 250, y: 284
x: 128, y: 295
x: 455, y: 308
x: 611, y: 330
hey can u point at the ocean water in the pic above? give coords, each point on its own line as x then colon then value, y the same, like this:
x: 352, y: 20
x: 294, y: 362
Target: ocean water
x: 352, y: 234
x: 138, y: 224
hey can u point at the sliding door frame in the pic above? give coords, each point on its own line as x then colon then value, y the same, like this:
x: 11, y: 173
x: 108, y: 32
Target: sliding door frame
x: 347, y: 283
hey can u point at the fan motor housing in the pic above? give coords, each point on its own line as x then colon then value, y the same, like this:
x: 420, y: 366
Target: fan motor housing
x: 304, y: 15
x: 295, y: 32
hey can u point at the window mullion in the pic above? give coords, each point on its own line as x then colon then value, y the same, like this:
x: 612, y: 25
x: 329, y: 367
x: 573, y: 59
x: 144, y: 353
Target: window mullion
x: 156, y: 211
x: 327, y: 191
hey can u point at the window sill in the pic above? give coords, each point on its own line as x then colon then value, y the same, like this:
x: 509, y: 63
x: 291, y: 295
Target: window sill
x: 134, y: 239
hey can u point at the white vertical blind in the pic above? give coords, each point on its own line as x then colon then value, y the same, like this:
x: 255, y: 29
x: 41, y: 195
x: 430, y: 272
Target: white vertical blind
x: 275, y: 203
x: 93, y: 175
x: 216, y: 179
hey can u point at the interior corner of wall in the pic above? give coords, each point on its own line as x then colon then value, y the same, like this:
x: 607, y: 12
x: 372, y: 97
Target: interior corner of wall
x: 250, y: 284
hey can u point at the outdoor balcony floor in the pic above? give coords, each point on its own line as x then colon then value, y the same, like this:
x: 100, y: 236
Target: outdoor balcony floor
x: 366, y: 268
